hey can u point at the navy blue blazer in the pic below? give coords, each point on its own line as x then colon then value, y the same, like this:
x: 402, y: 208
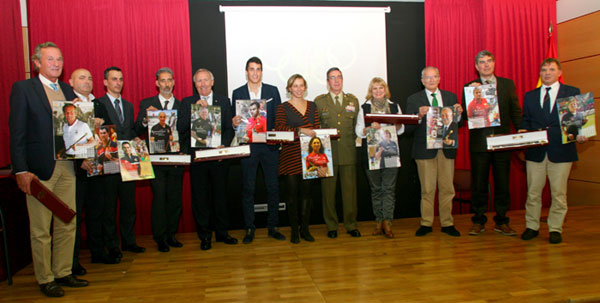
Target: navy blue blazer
x: 142, y: 131
x: 30, y: 124
x: 535, y: 119
x: 125, y: 130
x: 419, y: 149
x: 218, y: 100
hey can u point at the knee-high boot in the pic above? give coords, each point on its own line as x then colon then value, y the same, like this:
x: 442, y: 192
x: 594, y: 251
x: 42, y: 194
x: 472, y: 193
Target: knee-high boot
x: 304, y: 232
x: 292, y: 206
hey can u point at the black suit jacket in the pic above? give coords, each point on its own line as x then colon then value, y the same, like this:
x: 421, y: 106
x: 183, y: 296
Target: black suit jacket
x: 534, y: 119
x: 142, y: 131
x: 30, y: 123
x: 451, y: 135
x: 227, y: 132
x: 419, y: 150
x: 510, y: 111
x: 267, y: 92
x: 125, y: 130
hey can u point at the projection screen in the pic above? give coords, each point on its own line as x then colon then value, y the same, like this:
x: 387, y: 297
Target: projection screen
x: 307, y: 41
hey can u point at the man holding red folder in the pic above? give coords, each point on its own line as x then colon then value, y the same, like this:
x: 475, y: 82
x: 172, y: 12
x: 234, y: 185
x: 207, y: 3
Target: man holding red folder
x: 31, y: 149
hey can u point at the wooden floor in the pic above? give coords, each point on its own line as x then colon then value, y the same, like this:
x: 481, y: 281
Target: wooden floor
x: 435, y: 268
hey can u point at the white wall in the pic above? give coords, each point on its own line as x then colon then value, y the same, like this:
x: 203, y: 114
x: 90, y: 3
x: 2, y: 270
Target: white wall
x: 570, y: 9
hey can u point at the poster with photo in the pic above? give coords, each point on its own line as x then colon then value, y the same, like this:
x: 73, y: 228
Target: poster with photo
x: 134, y: 160
x: 205, y: 129
x: 253, y: 128
x: 317, y: 161
x: 72, y: 125
x: 577, y: 116
x: 382, y: 147
x: 442, y: 128
x: 162, y: 131
x: 482, y: 106
x: 106, y: 156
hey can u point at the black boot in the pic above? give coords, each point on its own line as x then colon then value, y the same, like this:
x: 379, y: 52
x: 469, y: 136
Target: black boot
x: 292, y: 207
x: 305, y: 233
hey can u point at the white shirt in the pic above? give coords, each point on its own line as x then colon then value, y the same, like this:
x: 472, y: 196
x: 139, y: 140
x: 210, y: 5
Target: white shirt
x: 112, y: 101
x: 163, y: 100
x: 553, y: 93
x: 47, y: 82
x: 209, y: 98
x: 254, y: 96
x: 438, y: 96
x: 73, y: 133
x: 84, y: 98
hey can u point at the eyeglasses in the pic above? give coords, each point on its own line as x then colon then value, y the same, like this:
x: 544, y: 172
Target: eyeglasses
x: 335, y: 77
x: 431, y: 77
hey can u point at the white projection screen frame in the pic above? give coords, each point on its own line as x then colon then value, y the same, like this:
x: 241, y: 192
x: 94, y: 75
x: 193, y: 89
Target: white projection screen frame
x: 307, y: 41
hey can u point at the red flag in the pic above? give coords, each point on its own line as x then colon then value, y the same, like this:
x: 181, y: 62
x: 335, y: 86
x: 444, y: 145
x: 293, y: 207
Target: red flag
x: 552, y: 52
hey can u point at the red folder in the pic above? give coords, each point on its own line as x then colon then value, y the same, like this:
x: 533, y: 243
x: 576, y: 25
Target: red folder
x: 392, y: 118
x: 51, y: 201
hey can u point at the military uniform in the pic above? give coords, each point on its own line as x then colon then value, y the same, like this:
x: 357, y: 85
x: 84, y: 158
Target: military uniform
x: 343, y: 117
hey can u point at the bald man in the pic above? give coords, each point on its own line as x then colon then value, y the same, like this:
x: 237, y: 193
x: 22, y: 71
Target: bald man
x: 88, y: 189
x: 82, y: 83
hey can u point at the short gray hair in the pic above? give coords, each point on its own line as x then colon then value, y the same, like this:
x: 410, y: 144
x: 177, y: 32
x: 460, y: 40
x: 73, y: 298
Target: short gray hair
x: 429, y: 67
x: 37, y: 52
x: 203, y: 70
x: 164, y: 70
x: 482, y: 54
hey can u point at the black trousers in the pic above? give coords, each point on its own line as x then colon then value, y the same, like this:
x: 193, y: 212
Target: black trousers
x: 209, y: 197
x: 480, y: 171
x: 115, y: 189
x: 166, y: 203
x: 83, y: 188
x: 93, y: 189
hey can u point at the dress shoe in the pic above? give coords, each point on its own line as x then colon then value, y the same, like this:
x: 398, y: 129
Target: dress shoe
x: 275, y: 234
x: 78, y: 270
x: 476, y: 229
x: 423, y: 230
x: 227, y: 240
x: 52, y: 289
x: 354, y: 233
x: 205, y: 244
x: 173, y: 242
x: 332, y: 234
x: 134, y: 248
x: 249, y: 237
x: 529, y: 234
x: 71, y: 281
x: 555, y: 237
x: 295, y: 238
x: 505, y: 230
x: 378, y: 229
x: 451, y: 230
x: 305, y: 234
x: 105, y: 259
x: 163, y: 246
x: 115, y: 253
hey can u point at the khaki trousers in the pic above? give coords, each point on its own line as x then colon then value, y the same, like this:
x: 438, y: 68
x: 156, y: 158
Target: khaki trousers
x: 558, y: 174
x: 347, y: 176
x: 53, y: 254
x: 436, y: 172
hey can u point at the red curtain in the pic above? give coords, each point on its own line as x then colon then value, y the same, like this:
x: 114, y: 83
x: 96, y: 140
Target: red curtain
x: 139, y: 36
x: 515, y: 31
x: 13, y: 64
